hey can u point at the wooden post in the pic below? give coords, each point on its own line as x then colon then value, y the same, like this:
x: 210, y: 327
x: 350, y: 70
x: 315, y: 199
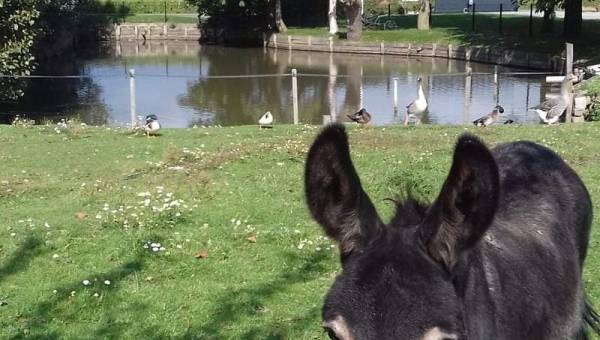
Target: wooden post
x: 275, y: 41
x: 132, y: 97
x: 569, y: 48
x: 496, y: 87
x: 395, y: 94
x: 330, y: 44
x: 264, y: 37
x: 381, y: 48
x: 290, y: 42
x: 569, y: 73
x: 295, y: 95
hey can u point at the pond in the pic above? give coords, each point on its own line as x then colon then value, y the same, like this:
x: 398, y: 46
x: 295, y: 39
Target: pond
x: 180, y: 83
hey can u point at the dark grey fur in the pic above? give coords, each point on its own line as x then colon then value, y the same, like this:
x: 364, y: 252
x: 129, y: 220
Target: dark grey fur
x: 498, y: 255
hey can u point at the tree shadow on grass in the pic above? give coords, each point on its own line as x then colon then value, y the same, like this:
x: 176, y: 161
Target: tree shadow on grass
x: 237, y: 305
x: 33, y: 324
x: 21, y: 258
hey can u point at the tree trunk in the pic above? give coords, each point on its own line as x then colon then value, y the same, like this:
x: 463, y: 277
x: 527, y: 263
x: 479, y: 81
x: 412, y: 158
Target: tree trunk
x: 424, y: 18
x: 548, y: 21
x: 275, y: 16
x: 572, y: 21
x: 279, y: 24
x: 332, y: 14
x: 352, y: 9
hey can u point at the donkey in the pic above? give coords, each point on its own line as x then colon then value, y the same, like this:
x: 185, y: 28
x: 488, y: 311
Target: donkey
x: 497, y: 255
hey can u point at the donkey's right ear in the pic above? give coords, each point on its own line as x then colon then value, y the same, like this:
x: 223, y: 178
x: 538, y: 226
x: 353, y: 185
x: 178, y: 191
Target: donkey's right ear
x: 334, y: 194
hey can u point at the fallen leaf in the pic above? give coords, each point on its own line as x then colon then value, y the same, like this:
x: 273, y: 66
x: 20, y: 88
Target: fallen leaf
x: 252, y: 239
x: 80, y: 215
x: 201, y: 254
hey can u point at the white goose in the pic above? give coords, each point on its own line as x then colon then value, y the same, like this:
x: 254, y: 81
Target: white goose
x: 266, y: 120
x: 418, y: 106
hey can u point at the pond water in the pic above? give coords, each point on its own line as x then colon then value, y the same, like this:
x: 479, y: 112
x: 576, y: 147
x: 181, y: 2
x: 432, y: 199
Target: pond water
x: 179, y: 82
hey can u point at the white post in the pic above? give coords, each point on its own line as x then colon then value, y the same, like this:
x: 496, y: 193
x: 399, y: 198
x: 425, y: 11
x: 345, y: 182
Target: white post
x: 331, y: 89
x: 132, y: 97
x: 467, y: 99
x: 395, y: 94
x: 295, y: 95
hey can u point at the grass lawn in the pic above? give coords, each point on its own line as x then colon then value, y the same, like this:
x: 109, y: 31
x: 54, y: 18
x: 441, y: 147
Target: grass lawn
x: 160, y: 18
x: 241, y: 257
x: 456, y: 29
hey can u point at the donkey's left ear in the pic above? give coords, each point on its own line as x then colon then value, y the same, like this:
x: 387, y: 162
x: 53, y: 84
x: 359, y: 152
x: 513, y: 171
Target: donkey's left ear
x: 466, y: 204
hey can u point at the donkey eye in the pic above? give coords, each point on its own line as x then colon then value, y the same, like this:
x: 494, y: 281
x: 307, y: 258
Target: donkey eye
x: 331, y: 333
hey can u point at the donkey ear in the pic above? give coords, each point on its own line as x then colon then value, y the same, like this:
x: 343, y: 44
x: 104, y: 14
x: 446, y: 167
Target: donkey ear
x: 334, y: 194
x: 466, y: 204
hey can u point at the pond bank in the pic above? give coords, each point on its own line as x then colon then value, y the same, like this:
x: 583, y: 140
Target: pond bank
x: 529, y: 60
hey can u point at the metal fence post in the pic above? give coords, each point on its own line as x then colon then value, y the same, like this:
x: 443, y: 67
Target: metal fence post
x: 295, y: 95
x: 395, y: 94
x: 500, y: 20
x: 531, y: 20
x: 131, y: 74
x: 473, y: 19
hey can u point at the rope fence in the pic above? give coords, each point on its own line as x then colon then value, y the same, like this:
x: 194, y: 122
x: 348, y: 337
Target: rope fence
x: 131, y: 75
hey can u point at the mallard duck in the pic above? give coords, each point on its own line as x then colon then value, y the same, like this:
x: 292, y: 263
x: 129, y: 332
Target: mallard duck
x: 550, y: 110
x: 266, y: 120
x: 361, y: 117
x: 152, y: 125
x: 490, y: 118
x: 508, y: 121
x: 418, y: 106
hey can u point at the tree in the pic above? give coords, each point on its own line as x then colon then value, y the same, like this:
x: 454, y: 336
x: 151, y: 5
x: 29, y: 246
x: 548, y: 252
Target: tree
x: 275, y: 9
x: 573, y: 17
x: 352, y: 8
x: 424, y: 18
x: 18, y: 32
x: 332, y: 15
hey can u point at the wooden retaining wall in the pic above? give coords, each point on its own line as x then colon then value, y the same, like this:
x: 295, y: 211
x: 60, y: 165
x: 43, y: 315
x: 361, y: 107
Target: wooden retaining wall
x: 155, y: 32
x: 530, y: 60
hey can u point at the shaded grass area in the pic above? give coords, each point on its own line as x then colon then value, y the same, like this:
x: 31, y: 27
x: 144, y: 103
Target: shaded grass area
x: 84, y: 204
x: 160, y: 18
x: 457, y: 29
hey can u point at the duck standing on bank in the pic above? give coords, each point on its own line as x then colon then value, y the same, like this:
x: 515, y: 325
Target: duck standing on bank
x: 550, y: 110
x: 266, y: 120
x: 490, y: 118
x: 360, y: 117
x: 152, y: 125
x: 417, y: 107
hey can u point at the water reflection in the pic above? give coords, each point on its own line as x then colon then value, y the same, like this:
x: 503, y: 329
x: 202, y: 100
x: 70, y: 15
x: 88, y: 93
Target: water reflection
x: 176, y: 81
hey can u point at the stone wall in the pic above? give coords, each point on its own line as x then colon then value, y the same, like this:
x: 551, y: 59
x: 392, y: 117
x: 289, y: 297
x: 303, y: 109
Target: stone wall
x: 155, y: 32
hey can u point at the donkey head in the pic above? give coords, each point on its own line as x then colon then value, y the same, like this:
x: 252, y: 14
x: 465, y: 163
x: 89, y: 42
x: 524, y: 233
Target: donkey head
x: 399, y: 281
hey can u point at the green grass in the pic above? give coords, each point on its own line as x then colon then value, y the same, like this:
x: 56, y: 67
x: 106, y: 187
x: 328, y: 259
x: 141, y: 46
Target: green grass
x: 456, y: 29
x: 160, y: 18
x: 235, y: 183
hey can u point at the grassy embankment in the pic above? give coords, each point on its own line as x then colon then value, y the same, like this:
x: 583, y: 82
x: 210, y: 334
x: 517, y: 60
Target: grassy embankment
x: 456, y: 29
x: 80, y: 204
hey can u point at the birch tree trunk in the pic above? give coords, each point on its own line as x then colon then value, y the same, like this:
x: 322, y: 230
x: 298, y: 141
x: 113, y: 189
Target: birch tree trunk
x: 332, y: 15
